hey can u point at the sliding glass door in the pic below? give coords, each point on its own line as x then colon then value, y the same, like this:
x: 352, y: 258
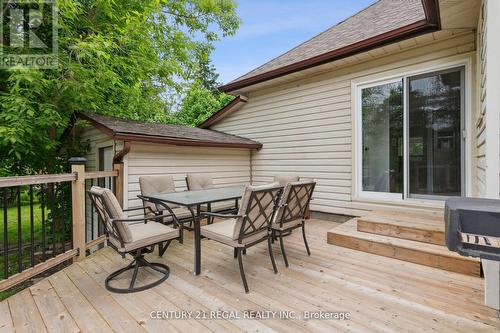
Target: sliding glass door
x: 435, y: 134
x: 382, y: 139
x: 411, y: 136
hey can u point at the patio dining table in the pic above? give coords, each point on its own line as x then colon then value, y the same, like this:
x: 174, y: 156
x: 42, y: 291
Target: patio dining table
x: 193, y: 200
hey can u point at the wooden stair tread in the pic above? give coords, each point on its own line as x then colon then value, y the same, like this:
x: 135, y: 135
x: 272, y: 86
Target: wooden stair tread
x: 424, y: 219
x: 413, y: 224
x: 433, y: 255
x: 422, y: 227
x: 350, y: 228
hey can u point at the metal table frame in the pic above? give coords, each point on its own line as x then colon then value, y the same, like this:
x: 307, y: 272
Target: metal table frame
x: 208, y: 197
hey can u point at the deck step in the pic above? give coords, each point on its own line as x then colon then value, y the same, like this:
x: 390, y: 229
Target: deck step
x: 347, y: 235
x: 422, y: 227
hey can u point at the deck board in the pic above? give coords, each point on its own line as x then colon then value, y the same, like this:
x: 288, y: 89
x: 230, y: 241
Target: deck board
x: 382, y: 294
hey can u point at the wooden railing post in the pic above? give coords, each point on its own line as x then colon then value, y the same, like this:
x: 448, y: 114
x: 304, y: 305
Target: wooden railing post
x: 119, y: 182
x: 78, y: 205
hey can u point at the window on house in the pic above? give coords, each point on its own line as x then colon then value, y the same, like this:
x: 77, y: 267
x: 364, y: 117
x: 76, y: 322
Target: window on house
x: 411, y: 140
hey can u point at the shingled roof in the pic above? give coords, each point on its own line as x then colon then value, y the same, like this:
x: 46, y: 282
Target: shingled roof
x: 130, y: 130
x: 384, y: 22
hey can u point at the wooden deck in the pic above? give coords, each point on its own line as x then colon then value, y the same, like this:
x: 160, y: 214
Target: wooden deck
x: 381, y: 294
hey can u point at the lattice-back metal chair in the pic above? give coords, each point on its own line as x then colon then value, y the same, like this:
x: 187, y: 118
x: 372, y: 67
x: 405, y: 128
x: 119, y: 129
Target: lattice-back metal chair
x: 292, y: 212
x: 133, y: 235
x: 250, y: 226
x: 202, y: 181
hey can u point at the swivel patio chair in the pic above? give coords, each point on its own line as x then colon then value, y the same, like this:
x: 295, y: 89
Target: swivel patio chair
x: 292, y: 212
x: 133, y: 235
x: 250, y: 226
x: 201, y: 181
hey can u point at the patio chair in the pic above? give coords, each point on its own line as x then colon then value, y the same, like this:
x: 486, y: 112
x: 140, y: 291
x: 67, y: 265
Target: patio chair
x: 161, y: 184
x: 201, y: 181
x: 250, y: 226
x: 291, y: 213
x: 133, y: 235
x: 285, y: 179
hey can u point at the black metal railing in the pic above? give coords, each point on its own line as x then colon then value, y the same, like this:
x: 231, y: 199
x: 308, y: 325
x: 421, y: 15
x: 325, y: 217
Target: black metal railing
x: 36, y: 224
x: 48, y: 220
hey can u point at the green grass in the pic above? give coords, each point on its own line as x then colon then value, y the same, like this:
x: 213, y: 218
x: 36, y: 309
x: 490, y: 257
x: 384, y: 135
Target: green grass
x: 12, y: 236
x: 12, y: 225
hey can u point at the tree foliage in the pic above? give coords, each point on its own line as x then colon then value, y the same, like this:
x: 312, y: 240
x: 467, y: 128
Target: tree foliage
x: 203, y: 98
x: 199, y: 104
x: 124, y: 58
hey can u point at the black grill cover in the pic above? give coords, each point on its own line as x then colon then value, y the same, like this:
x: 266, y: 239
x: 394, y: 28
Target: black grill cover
x: 472, y: 216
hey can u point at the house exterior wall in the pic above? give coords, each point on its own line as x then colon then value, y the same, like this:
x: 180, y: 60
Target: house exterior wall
x: 227, y: 166
x: 97, y: 140
x: 307, y: 126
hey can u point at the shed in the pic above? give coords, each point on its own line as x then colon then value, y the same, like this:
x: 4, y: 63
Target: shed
x: 153, y: 148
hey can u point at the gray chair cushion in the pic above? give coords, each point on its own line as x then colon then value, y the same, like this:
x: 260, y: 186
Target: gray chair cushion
x: 199, y: 181
x: 224, y: 231
x: 293, y: 205
x: 154, y: 185
x: 285, y: 179
x: 146, y: 234
x: 114, y: 210
x: 254, y: 213
x: 219, y: 206
x: 180, y: 212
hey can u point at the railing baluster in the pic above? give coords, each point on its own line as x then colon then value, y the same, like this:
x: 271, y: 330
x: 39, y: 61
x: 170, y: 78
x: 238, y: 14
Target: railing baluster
x: 86, y: 217
x: 19, y: 236
x: 32, y: 229
x: 63, y: 227
x: 91, y: 214
x: 53, y: 215
x: 42, y: 203
x: 5, y: 236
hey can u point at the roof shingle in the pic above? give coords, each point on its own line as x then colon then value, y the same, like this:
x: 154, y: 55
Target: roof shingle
x: 124, y: 129
x: 382, y: 17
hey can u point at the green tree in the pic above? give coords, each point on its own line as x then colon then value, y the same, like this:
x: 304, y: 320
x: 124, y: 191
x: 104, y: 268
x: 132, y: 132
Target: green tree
x: 199, y: 104
x: 207, y: 77
x: 121, y: 58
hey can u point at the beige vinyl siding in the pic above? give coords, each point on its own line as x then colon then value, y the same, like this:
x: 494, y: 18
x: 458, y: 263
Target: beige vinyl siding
x: 480, y: 189
x: 227, y: 166
x: 97, y: 139
x: 306, y: 126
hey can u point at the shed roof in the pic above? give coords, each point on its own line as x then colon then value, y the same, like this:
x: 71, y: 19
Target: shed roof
x: 130, y: 130
x: 384, y: 22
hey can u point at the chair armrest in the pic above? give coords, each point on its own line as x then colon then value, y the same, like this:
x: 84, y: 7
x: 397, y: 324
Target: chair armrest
x: 136, y: 219
x: 134, y: 208
x: 224, y: 216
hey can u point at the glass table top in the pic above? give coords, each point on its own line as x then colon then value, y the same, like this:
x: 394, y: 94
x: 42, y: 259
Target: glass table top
x: 198, y: 197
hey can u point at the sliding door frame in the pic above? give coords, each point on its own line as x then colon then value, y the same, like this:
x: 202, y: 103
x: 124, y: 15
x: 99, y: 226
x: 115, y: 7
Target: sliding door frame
x: 466, y: 124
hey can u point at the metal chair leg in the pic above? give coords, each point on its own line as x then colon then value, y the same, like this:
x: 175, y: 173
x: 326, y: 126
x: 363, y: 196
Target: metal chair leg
x: 137, y: 263
x: 242, y: 272
x: 305, y: 239
x: 134, y: 275
x: 282, y: 245
x: 162, y: 249
x: 269, y: 247
x: 235, y: 252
